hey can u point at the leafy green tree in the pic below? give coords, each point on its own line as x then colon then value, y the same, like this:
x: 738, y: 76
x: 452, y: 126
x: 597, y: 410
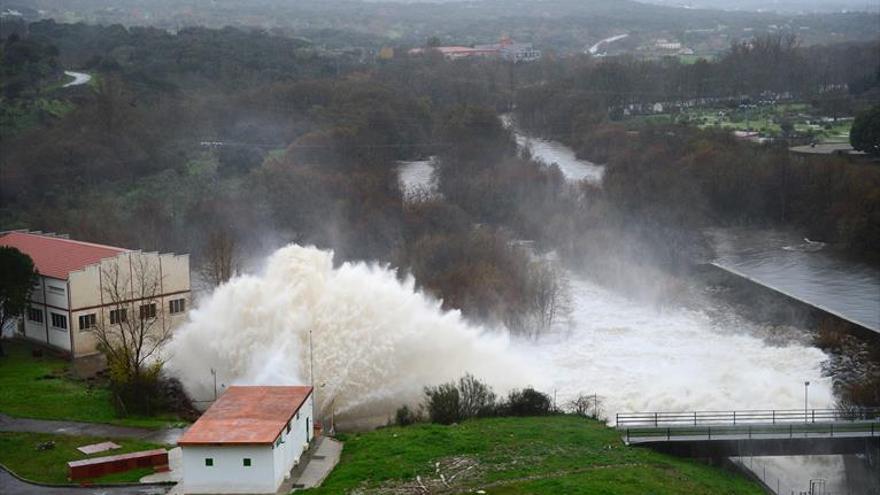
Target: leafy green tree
x: 19, y: 276
x: 865, y: 133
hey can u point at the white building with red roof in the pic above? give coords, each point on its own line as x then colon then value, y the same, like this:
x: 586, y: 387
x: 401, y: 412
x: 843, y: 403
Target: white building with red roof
x: 71, y: 297
x: 248, y: 441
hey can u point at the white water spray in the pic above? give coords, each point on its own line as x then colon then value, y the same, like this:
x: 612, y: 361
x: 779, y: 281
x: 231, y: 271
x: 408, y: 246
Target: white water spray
x: 376, y: 340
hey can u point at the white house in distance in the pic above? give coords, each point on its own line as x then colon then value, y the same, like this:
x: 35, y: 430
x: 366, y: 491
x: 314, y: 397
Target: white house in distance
x: 248, y: 441
x: 71, y: 296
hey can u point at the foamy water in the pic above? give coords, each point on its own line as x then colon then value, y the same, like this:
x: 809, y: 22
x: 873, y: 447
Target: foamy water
x: 376, y: 340
x: 417, y: 177
x: 641, y: 358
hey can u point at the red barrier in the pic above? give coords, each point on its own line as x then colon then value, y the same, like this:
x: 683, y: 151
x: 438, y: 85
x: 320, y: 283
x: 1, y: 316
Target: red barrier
x: 100, y: 466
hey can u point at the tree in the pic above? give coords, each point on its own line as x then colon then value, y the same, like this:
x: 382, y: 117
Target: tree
x: 19, y: 277
x: 443, y: 404
x: 220, y: 258
x: 865, y: 133
x: 548, y: 296
x: 134, y: 332
x: 476, y: 398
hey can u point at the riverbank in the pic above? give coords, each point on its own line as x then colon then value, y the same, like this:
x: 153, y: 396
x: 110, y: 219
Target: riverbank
x: 548, y: 455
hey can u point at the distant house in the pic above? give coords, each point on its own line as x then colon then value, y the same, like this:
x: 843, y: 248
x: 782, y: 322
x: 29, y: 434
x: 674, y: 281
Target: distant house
x: 248, y: 441
x: 506, y: 49
x: 71, y: 297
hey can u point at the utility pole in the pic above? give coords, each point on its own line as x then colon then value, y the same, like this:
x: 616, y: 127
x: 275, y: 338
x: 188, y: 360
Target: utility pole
x: 214, y: 374
x: 806, y: 396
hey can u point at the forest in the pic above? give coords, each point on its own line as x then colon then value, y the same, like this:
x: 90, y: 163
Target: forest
x: 211, y: 138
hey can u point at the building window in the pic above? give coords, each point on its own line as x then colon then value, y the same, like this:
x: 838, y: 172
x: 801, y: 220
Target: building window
x: 177, y: 306
x: 147, y: 311
x: 209, y: 461
x: 56, y: 290
x: 118, y: 316
x: 87, y: 321
x: 59, y: 321
x: 35, y: 315
x: 278, y: 441
x: 246, y: 462
x: 288, y: 426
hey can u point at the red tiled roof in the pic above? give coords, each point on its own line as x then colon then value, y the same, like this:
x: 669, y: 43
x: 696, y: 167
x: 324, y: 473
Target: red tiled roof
x: 56, y: 257
x: 247, y: 415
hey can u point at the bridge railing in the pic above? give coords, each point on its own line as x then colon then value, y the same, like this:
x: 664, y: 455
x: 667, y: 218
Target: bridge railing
x: 733, y: 418
x: 754, y: 431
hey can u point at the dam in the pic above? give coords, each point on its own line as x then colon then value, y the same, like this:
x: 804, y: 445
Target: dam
x: 804, y: 270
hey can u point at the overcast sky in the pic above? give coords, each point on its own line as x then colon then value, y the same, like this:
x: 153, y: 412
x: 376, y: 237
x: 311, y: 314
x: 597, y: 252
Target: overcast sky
x: 779, y: 5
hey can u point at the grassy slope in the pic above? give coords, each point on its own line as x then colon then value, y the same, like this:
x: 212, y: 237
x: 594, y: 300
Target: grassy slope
x: 562, y: 454
x: 39, y: 388
x: 18, y: 452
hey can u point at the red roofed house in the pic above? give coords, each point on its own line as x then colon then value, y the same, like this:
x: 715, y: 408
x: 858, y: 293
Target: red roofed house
x: 248, y: 441
x: 72, y: 297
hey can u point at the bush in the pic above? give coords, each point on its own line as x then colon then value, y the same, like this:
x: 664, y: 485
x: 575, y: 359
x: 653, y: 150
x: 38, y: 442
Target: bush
x: 528, y: 402
x: 443, y: 404
x: 477, y: 398
x: 450, y: 403
x: 586, y: 406
x: 406, y: 416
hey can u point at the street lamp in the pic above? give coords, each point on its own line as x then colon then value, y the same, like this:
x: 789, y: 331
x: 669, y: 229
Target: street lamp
x: 806, y: 397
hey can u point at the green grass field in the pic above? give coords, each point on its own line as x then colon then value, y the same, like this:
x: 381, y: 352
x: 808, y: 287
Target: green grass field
x: 764, y: 120
x: 19, y: 453
x: 551, y: 455
x: 41, y: 388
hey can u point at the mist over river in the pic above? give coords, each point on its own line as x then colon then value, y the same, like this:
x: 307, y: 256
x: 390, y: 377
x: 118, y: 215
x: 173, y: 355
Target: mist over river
x: 376, y: 342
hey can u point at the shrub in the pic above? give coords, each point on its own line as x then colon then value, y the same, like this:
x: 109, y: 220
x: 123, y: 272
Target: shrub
x: 477, y: 398
x: 406, y: 416
x: 528, y: 402
x: 443, y: 404
x: 587, y: 406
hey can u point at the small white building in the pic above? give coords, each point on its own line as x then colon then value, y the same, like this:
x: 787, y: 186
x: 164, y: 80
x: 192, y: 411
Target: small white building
x: 72, y: 296
x: 248, y: 441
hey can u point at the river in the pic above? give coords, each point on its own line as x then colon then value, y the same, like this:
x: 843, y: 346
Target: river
x: 803, y: 269
x: 637, y: 356
x: 555, y: 153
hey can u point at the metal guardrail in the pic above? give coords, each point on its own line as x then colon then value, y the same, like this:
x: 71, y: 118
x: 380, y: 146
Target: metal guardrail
x: 698, y: 418
x: 753, y: 431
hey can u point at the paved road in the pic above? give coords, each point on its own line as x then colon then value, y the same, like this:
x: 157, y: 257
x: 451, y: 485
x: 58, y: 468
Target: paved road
x: 10, y: 485
x: 167, y: 436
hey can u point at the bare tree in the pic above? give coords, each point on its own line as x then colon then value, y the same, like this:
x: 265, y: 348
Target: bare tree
x: 220, y: 258
x: 137, y: 326
x: 549, y: 295
x: 587, y: 406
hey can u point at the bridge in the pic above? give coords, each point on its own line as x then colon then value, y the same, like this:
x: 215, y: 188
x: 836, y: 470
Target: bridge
x: 716, y: 434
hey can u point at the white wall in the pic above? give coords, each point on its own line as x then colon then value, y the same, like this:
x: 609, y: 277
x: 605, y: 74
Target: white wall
x: 270, y: 463
x: 294, y: 443
x: 55, y: 301
x: 172, y: 272
x: 228, y: 474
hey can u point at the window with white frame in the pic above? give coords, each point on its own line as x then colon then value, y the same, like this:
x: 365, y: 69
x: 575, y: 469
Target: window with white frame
x: 35, y: 315
x: 87, y: 322
x: 118, y: 316
x: 147, y: 311
x: 59, y: 321
x: 177, y: 306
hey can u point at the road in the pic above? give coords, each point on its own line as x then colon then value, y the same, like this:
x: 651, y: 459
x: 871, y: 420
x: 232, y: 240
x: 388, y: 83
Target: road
x: 79, y: 78
x: 10, y: 485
